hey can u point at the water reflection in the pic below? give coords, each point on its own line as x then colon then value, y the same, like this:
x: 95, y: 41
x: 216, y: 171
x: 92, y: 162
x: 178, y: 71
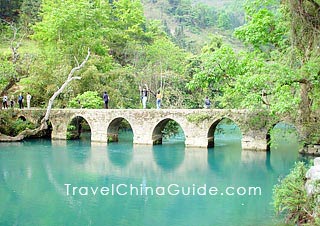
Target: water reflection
x: 284, y: 147
x: 79, y: 151
x: 169, y: 157
x: 121, y: 154
x: 33, y: 174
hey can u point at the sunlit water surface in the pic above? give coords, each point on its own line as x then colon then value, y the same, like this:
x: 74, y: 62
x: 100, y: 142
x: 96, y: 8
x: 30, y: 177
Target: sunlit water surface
x: 33, y: 175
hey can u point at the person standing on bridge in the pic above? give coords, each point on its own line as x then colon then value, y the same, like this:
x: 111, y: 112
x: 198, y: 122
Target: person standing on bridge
x: 5, y: 101
x: 207, y: 103
x: 20, y: 101
x: 158, y: 101
x: 144, y: 95
x: 28, y: 100
x: 12, y: 101
x: 105, y: 100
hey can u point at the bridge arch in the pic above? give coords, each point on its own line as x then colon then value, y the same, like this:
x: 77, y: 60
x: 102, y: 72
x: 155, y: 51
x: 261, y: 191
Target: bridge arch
x: 114, y: 126
x: 76, y: 132
x: 213, y: 128
x: 28, y: 117
x: 22, y: 117
x: 157, y: 131
x: 285, y: 125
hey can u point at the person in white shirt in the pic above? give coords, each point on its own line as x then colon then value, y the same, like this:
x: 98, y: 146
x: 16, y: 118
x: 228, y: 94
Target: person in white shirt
x: 28, y: 100
x: 5, y: 101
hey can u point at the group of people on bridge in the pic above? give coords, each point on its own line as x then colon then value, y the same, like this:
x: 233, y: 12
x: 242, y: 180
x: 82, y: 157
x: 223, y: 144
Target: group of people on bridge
x: 144, y: 93
x: 6, y: 101
x: 144, y: 96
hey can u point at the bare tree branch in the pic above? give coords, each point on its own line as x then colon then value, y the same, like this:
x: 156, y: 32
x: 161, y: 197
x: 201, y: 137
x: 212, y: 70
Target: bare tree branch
x: 64, y: 85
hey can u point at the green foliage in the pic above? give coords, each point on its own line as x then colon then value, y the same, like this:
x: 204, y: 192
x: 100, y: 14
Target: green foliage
x: 11, y: 126
x: 265, y: 27
x: 125, y: 50
x: 171, y: 128
x: 198, y: 118
x: 30, y: 12
x: 291, y: 200
x: 224, y: 21
x: 20, y: 125
x: 303, y: 20
x: 110, y: 139
x: 252, y: 79
x: 7, y: 71
x: 258, y: 120
x: 88, y: 99
x: 76, y: 127
x: 214, y: 71
x: 188, y: 23
x: 70, y: 25
x: 72, y: 132
x: 5, y: 118
x: 198, y: 15
x: 71, y: 127
x: 282, y: 131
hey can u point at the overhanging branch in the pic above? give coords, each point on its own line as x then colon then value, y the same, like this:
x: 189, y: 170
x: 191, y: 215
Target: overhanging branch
x: 64, y: 85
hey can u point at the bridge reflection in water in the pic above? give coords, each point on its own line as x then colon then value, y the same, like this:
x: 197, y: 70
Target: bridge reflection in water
x: 125, y: 158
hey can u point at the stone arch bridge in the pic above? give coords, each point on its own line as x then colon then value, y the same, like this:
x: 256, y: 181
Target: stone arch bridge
x: 198, y: 125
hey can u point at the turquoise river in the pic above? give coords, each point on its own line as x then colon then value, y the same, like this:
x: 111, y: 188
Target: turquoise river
x: 44, y: 182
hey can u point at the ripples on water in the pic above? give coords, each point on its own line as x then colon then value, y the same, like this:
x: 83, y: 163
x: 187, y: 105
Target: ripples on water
x: 33, y: 174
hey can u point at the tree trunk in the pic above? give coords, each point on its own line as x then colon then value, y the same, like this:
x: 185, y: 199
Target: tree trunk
x: 305, y: 111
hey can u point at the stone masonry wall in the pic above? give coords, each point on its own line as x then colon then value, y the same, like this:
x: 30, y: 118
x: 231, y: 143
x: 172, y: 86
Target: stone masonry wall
x: 198, y: 124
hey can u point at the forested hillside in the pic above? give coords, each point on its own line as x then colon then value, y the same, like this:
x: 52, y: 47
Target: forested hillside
x: 134, y: 43
x: 190, y: 24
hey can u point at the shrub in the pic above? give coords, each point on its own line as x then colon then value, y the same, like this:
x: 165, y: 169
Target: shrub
x: 87, y: 99
x: 291, y: 199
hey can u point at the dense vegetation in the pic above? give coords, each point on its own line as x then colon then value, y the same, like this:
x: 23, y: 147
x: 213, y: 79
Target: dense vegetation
x: 278, y: 68
x: 264, y: 55
x: 292, y: 201
x: 188, y: 23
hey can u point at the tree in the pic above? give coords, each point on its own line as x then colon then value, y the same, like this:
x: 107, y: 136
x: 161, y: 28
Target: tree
x: 72, y: 26
x: 15, y: 67
x: 266, y: 27
x: 163, y: 66
x: 43, y: 125
x: 114, y: 32
x: 224, y: 20
x: 280, y: 72
x: 29, y: 12
x: 215, y: 69
x: 70, y: 78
